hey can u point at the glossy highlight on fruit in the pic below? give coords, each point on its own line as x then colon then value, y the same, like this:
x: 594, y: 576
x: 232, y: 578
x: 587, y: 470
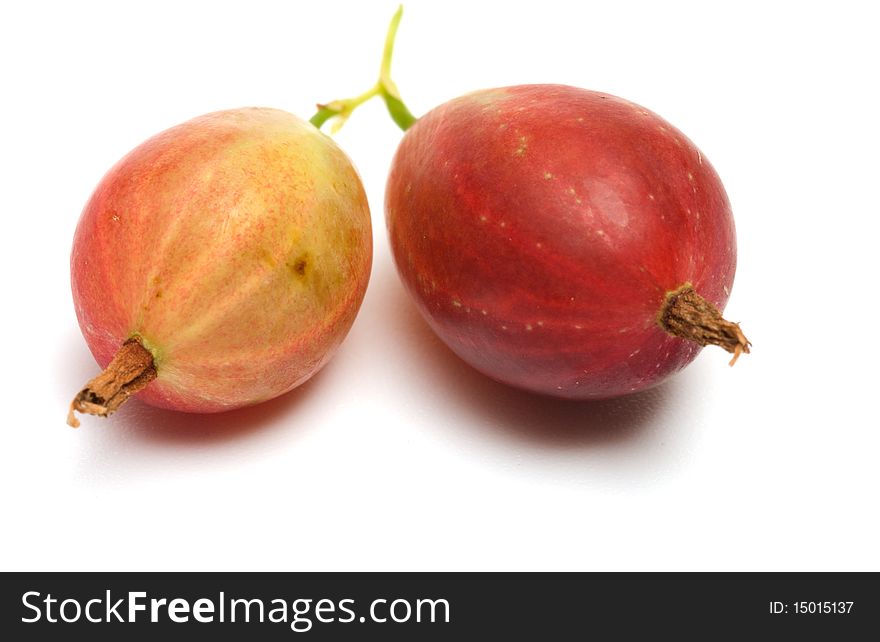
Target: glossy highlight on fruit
x: 221, y: 261
x: 564, y: 241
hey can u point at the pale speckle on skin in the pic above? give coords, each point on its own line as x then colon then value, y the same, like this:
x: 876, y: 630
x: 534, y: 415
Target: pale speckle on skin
x: 529, y: 326
x: 578, y: 326
x: 456, y: 303
x: 484, y: 312
x: 548, y: 176
x: 502, y: 126
x: 699, y: 157
x: 541, y: 324
x: 600, y: 232
x: 726, y: 290
x: 539, y: 245
x: 580, y: 119
x: 690, y: 177
x: 504, y: 327
x: 503, y: 224
x: 523, y: 145
x: 482, y: 219
x: 115, y: 217
x: 634, y: 352
x: 651, y: 197
x: 559, y: 387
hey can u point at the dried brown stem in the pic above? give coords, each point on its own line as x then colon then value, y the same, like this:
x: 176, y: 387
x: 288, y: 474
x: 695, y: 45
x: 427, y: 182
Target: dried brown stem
x: 688, y: 315
x: 131, y: 370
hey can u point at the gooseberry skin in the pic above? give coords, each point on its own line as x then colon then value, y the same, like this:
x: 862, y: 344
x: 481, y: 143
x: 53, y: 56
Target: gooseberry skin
x: 235, y: 247
x: 540, y: 229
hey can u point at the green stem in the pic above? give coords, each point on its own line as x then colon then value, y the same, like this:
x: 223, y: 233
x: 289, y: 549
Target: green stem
x: 384, y: 88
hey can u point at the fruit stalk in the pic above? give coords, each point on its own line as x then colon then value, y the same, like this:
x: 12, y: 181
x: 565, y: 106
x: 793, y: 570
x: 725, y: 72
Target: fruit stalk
x: 130, y: 370
x: 687, y: 315
x: 339, y: 110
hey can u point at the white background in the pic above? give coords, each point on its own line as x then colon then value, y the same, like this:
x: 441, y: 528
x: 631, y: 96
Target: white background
x: 398, y: 456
